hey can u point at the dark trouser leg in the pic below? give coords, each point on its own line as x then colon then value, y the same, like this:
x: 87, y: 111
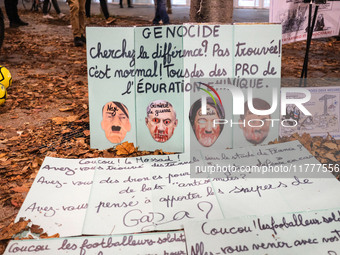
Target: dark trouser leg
x: 161, y: 6
x: 45, y: 7
x: 103, y: 5
x: 56, y: 6
x: 88, y: 8
x: 12, y: 10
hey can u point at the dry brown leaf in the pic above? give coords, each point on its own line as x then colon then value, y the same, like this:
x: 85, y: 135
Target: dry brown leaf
x: 58, y: 120
x: 66, y: 109
x: 330, y: 156
x: 17, y: 200
x: 72, y: 118
x: 36, y: 229
x: 330, y: 145
x: 13, y: 229
x: 126, y: 148
x: 45, y: 236
x: 21, y: 189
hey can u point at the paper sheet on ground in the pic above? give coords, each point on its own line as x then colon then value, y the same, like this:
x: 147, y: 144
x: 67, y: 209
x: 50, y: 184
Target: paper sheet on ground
x: 156, y: 192
x: 57, y: 200
x: 293, y: 186
x: 151, y: 193
x: 314, y: 232
x: 152, y: 243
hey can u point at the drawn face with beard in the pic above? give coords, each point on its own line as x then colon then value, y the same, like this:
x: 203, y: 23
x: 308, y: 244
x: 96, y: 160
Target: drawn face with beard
x: 257, y: 131
x: 161, y: 120
x: 204, y: 129
x: 115, y: 121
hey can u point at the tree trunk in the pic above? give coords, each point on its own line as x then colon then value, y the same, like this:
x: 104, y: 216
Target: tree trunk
x: 217, y: 11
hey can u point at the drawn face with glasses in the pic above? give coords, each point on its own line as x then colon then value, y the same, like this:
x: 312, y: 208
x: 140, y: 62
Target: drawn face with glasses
x: 161, y: 120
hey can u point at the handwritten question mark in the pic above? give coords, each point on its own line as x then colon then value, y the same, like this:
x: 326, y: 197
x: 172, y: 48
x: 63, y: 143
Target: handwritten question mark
x: 300, y: 146
x: 332, y: 253
x: 205, y: 46
x: 209, y: 204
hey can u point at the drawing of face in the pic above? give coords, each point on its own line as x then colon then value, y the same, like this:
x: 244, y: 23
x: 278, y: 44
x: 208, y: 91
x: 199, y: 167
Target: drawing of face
x: 161, y: 120
x: 255, y: 133
x: 115, y: 121
x: 204, y: 129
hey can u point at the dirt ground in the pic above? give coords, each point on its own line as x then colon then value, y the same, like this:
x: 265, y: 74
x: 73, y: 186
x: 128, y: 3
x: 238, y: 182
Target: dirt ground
x: 46, y: 112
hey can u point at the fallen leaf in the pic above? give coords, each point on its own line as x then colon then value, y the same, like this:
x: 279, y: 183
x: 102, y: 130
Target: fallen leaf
x: 58, y: 120
x: 126, y: 148
x: 66, y: 109
x: 13, y: 229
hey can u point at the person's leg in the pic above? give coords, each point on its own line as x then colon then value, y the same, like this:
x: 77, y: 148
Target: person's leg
x: 45, y: 7
x: 157, y: 17
x: 12, y: 13
x: 88, y: 8
x: 15, y: 9
x: 82, y: 19
x: 129, y: 4
x: 56, y: 6
x: 161, y: 4
x: 74, y: 18
x: 103, y: 5
x: 169, y: 7
x: 121, y: 3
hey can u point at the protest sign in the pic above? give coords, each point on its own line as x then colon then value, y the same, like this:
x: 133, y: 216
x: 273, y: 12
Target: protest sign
x: 147, y: 193
x: 325, y: 109
x: 148, y: 72
x: 59, y: 195
x: 151, y: 243
x: 293, y: 15
x: 262, y: 68
x: 158, y: 79
x: 209, y: 59
x: 157, y: 192
x: 270, y: 179
x: 312, y: 232
x: 111, y: 65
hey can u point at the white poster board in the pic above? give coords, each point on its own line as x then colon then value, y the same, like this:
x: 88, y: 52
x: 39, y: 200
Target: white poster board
x: 151, y: 243
x: 313, y: 232
x: 293, y: 15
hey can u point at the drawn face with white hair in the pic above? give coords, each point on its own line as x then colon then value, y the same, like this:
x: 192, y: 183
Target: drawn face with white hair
x: 161, y: 120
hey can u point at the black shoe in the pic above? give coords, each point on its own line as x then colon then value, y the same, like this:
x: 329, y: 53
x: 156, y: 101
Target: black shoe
x: 130, y: 6
x: 78, y: 42
x: 14, y: 25
x: 22, y: 23
x: 83, y: 39
x: 121, y: 6
x: 18, y: 23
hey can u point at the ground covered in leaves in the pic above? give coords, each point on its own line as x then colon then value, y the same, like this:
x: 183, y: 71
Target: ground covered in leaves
x: 46, y: 113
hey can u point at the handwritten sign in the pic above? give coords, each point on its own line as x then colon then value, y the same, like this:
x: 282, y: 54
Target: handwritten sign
x: 58, y: 198
x: 111, y: 64
x: 125, y: 195
x: 147, y: 193
x: 270, y: 179
x: 151, y: 243
x: 313, y: 232
x: 146, y: 74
